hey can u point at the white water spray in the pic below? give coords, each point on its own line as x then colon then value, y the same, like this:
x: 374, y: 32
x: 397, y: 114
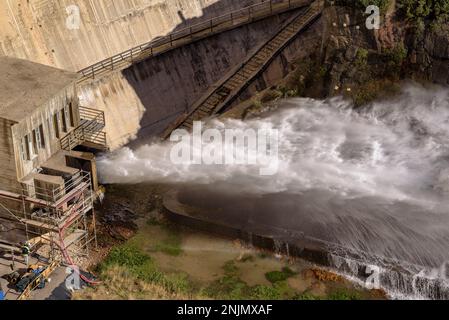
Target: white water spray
x: 373, y: 180
x: 397, y: 150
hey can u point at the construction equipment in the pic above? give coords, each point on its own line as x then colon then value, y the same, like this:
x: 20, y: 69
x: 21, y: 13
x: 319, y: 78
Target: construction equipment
x: 2, y: 293
x: 35, y: 279
x: 12, y: 278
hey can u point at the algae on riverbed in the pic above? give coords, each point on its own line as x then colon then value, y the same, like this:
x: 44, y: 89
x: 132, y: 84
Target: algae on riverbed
x: 166, y: 261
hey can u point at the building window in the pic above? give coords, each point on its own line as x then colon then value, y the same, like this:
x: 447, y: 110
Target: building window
x: 64, y: 120
x: 22, y: 149
x: 56, y: 125
x: 50, y: 131
x: 35, y: 142
x: 27, y: 147
x: 41, y: 136
x: 72, y: 118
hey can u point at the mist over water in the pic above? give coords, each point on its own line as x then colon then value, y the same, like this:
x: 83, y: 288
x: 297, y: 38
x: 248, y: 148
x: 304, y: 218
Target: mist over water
x: 396, y: 150
x: 374, y: 179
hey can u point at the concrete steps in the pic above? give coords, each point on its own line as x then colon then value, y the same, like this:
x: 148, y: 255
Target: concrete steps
x: 230, y: 88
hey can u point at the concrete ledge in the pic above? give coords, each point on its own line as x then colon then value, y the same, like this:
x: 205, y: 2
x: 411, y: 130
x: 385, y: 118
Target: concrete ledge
x: 273, y: 240
x: 400, y: 278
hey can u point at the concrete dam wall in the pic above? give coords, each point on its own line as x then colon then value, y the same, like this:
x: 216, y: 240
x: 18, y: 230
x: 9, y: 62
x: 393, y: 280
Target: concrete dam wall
x: 43, y: 30
x: 141, y: 101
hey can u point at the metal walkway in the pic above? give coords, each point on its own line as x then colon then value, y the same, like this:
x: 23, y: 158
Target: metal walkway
x: 190, y: 34
x: 229, y: 88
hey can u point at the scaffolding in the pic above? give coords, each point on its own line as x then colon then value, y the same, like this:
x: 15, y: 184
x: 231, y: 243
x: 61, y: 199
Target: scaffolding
x: 54, y: 220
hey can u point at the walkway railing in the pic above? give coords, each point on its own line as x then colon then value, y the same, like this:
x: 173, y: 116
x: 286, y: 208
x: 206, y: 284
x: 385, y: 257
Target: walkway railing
x: 55, y: 200
x: 90, y: 130
x: 190, y: 34
x: 229, y: 88
x: 94, y: 115
x: 81, y: 135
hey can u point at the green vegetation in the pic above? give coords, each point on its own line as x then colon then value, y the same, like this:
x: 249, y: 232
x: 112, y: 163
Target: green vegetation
x: 310, y: 75
x: 286, y: 92
x: 262, y: 292
x: 372, y: 90
x: 280, y: 92
x: 277, y: 276
x: 171, y: 245
x: 417, y: 11
x: 154, y: 222
x: 424, y: 9
x: 420, y: 11
x: 340, y: 294
x: 343, y: 295
x: 363, y: 4
x: 306, y: 296
x: 361, y: 59
x: 131, y: 271
x: 256, y: 104
x: 231, y: 287
x: 230, y: 268
x: 270, y: 95
x: 128, y: 261
x: 171, y: 242
x: 398, y: 54
x: 247, y: 258
x: 141, y: 266
x: 396, y: 58
x: 128, y: 272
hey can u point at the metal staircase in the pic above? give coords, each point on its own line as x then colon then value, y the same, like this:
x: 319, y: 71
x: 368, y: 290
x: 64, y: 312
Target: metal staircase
x: 199, y: 31
x: 89, y: 132
x: 229, y: 88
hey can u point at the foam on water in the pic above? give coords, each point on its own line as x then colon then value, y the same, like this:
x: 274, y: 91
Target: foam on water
x: 394, y: 151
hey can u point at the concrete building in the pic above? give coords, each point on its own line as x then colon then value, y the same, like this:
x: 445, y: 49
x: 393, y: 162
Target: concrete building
x: 42, y: 123
x: 48, y: 176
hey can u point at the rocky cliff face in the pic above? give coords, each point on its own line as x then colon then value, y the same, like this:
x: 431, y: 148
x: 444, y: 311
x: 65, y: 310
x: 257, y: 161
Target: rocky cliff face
x: 356, y: 58
x: 340, y: 55
x: 432, y: 55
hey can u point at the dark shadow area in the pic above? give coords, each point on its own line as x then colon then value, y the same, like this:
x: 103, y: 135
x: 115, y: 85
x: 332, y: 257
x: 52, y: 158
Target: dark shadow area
x: 220, y: 7
x: 322, y: 215
x: 169, y: 84
x: 306, y: 226
x: 6, y: 228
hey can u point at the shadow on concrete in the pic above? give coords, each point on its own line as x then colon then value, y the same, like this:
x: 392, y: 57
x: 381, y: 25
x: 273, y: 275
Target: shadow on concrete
x: 168, y: 85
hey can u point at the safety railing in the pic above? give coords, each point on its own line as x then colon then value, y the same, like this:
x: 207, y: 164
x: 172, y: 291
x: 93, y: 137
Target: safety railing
x: 190, y: 34
x: 84, y: 134
x: 90, y: 130
x: 53, y: 195
x: 94, y: 115
x: 226, y: 90
x: 51, y: 204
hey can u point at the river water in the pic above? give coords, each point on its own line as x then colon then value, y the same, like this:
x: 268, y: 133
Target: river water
x: 373, y: 180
